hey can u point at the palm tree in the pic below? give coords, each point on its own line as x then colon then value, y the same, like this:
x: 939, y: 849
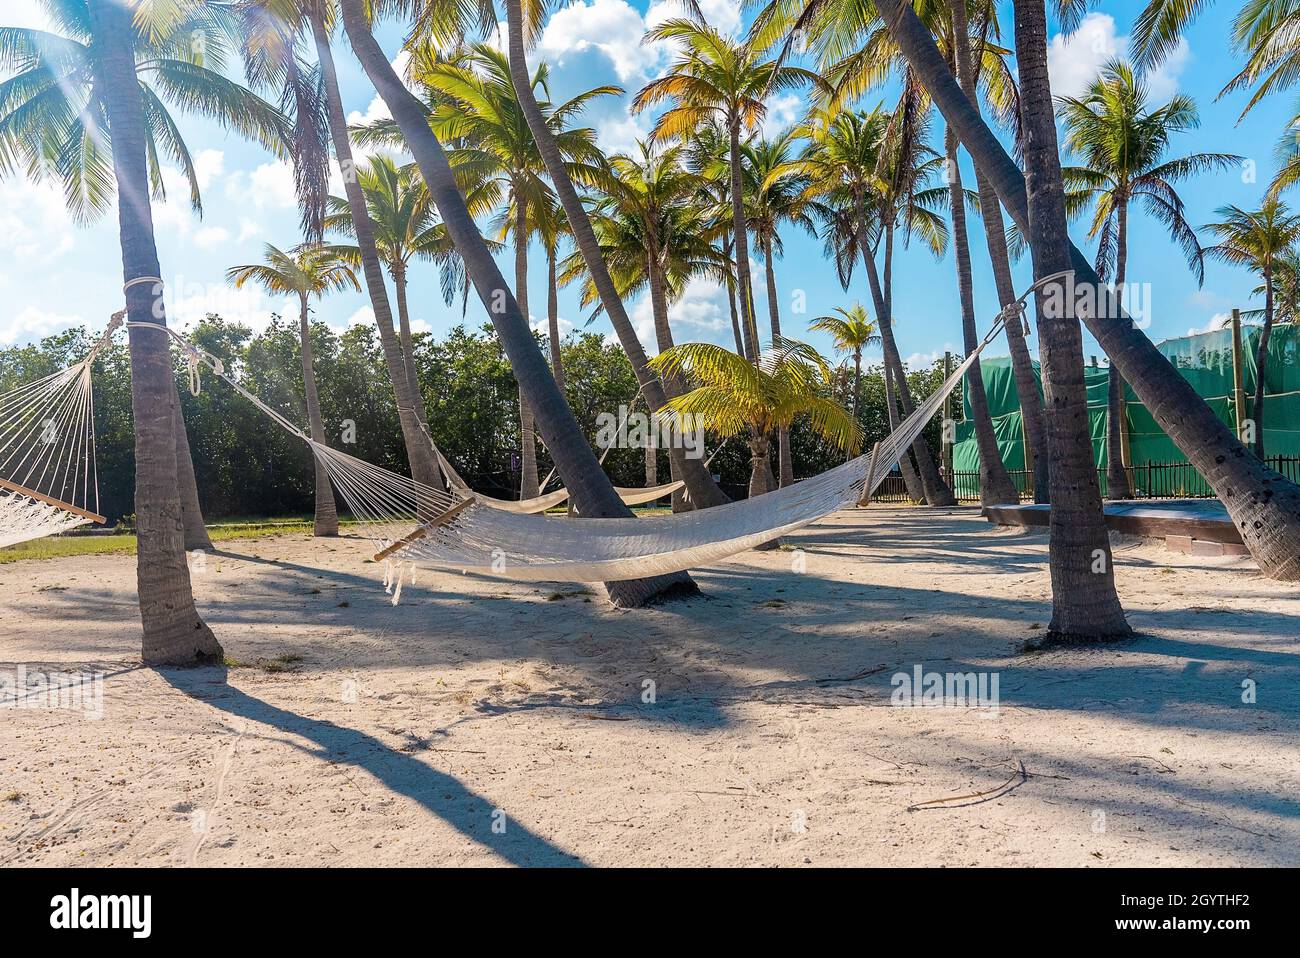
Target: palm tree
x: 174, y: 633
x: 53, y: 127
x: 840, y: 160
x: 406, y: 229
x: 1085, y: 605
x: 273, y: 28
x: 738, y: 397
x: 482, y: 113
x: 777, y: 195
x: 1123, y: 146
x: 586, y: 481
x: 306, y: 272
x: 716, y: 79
x: 852, y: 331
x: 701, y: 489
x: 1260, y: 240
x: 1264, y: 504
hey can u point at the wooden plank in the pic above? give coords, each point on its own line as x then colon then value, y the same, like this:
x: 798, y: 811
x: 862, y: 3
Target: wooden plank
x: 424, y: 530
x: 57, y: 503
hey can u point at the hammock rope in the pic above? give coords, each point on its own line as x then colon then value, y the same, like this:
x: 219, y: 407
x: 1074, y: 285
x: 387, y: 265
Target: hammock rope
x: 48, y: 470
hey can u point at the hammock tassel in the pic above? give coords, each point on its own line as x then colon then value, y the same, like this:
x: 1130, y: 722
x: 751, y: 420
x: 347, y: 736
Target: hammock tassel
x: 397, y: 589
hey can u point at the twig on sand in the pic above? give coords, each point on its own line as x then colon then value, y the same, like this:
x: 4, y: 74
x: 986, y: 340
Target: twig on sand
x: 1018, y: 778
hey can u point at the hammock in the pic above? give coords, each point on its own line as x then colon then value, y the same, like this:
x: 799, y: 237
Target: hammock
x: 48, y: 478
x: 465, y: 536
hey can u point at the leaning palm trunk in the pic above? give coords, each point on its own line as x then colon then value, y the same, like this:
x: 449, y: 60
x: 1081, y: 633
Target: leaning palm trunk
x: 408, y: 345
x: 527, y: 429
x: 672, y: 385
x: 174, y: 633
x: 703, y: 491
x: 934, y: 490
x: 553, y: 318
x: 774, y: 311
x: 731, y: 306
x: 587, y: 483
x: 1022, y: 364
x: 1117, y: 484
x: 327, y: 516
x: 911, y: 481
x: 1264, y: 505
x: 995, y: 482
x: 419, y: 449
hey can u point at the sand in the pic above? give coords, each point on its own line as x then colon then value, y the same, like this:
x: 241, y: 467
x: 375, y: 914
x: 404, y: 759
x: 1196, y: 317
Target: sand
x: 482, y: 722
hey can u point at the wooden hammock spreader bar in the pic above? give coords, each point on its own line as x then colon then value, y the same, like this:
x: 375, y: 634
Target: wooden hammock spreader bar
x: 865, y: 498
x: 424, y: 530
x: 57, y: 503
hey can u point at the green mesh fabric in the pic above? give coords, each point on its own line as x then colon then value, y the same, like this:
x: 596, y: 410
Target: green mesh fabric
x: 1204, y: 359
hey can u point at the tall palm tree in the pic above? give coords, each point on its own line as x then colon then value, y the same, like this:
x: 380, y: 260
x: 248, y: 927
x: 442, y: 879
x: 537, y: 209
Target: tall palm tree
x: 716, y: 79
x: 738, y: 397
x: 776, y: 196
x: 482, y: 112
x: 1085, y: 605
x: 852, y: 330
x: 586, y: 481
x: 840, y: 160
x: 53, y: 126
x: 273, y: 28
x: 1123, y: 145
x: 407, y: 229
x: 702, y: 490
x: 905, y: 202
x: 174, y: 633
x: 305, y: 272
x: 1259, y: 240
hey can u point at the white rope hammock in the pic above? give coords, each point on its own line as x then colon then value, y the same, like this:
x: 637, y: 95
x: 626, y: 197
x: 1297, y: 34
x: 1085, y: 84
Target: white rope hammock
x: 48, y: 477
x: 415, y: 524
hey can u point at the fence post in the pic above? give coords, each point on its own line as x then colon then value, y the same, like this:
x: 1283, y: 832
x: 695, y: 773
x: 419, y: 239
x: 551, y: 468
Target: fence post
x: 1238, y: 388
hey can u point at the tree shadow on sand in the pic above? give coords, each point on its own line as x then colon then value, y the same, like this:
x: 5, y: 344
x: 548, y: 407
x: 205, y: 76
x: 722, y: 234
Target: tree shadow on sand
x: 402, y: 774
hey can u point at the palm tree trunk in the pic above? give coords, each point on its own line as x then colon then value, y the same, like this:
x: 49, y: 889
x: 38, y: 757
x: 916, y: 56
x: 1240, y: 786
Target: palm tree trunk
x: 408, y: 346
x: 1117, y: 485
x: 761, y: 479
x: 774, y: 311
x: 740, y: 239
x: 327, y: 517
x: 196, y: 533
x: 741, y: 348
x: 174, y: 633
x: 934, y: 490
x: 589, y: 487
x: 911, y: 481
x: 672, y: 385
x: 1022, y: 364
x: 1261, y: 362
x: 419, y: 448
x: 527, y: 429
x: 995, y: 482
x: 857, y: 390
x: 1264, y: 505
x: 703, y: 491
x: 651, y: 463
x: 553, y: 318
x: 1085, y: 605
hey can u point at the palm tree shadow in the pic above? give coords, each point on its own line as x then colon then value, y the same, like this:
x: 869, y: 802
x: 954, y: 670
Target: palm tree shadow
x: 444, y: 795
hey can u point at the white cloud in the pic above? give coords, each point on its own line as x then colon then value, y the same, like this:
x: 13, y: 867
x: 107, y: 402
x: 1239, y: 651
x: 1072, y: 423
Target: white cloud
x: 33, y: 323
x: 619, y: 133
x: 208, y: 164
x: 926, y: 360
x: 612, y: 27
x: 365, y: 316
x: 701, y: 314
x: 268, y: 186
x: 1074, y: 60
x: 210, y: 237
x: 1216, y: 322
x: 35, y: 226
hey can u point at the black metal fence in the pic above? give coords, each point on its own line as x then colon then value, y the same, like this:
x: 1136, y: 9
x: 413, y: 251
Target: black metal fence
x: 1150, y: 480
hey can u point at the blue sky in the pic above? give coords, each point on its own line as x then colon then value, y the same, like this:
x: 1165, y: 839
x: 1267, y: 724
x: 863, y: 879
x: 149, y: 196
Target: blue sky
x: 56, y: 274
